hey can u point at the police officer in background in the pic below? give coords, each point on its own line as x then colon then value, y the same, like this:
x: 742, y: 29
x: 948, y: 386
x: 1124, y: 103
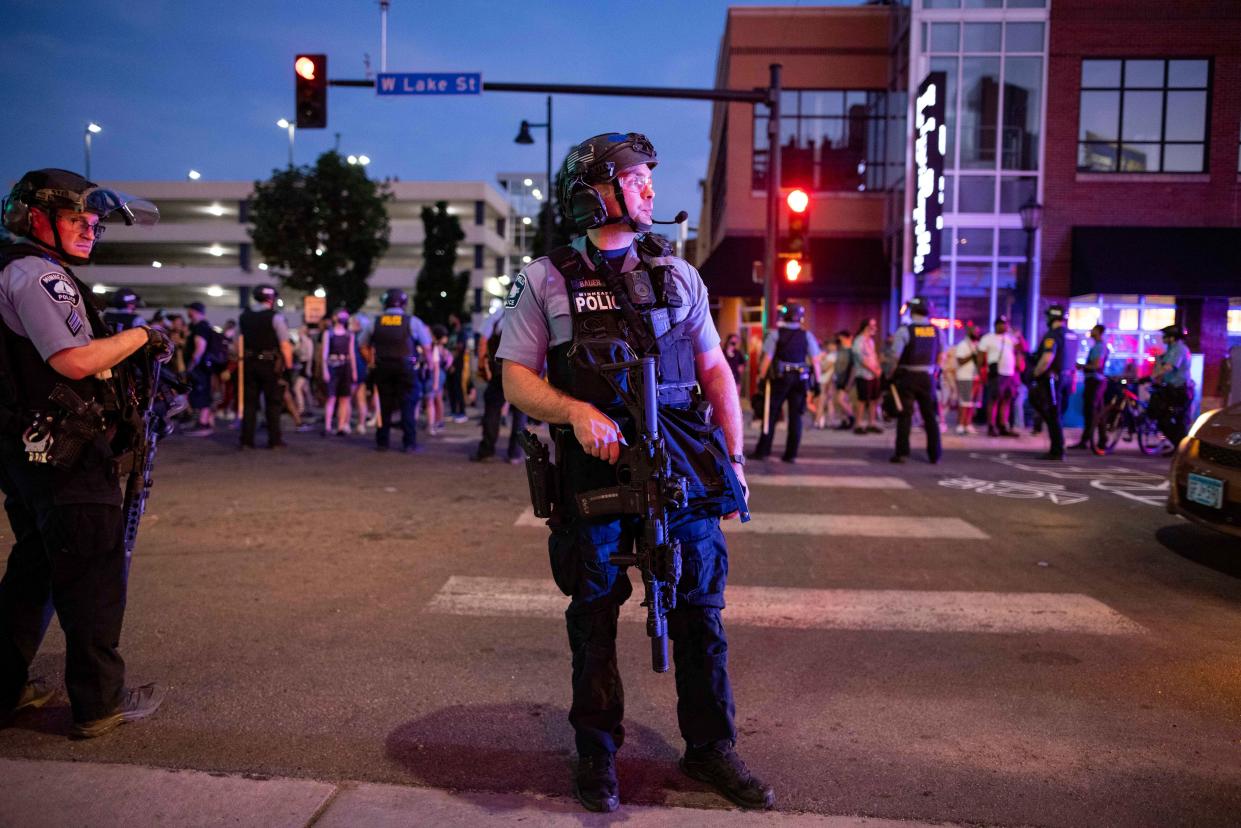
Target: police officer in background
x: 912, y: 361
x: 1173, y: 392
x: 268, y: 354
x: 789, y: 355
x: 493, y: 398
x: 64, y: 507
x: 621, y: 284
x: 400, y: 343
x: 1052, y: 381
x: 123, y: 314
x: 1092, y: 395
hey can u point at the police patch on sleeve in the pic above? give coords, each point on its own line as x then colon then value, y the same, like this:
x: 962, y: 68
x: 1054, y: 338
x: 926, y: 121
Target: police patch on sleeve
x: 73, y: 322
x: 60, y: 287
x: 515, y: 292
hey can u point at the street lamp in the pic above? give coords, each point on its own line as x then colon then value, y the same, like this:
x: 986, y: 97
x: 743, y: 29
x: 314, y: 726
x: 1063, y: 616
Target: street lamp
x: 193, y: 175
x: 92, y: 128
x: 1031, y: 217
x: 285, y: 123
x: 524, y: 137
x: 359, y: 159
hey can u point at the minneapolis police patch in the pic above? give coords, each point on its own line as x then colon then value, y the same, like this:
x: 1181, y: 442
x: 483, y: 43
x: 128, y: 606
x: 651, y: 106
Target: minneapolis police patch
x: 515, y: 292
x: 60, y: 287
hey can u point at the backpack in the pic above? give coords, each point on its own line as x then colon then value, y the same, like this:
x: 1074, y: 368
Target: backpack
x: 216, y: 355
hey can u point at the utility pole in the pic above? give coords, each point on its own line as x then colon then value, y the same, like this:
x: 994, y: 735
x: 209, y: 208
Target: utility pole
x: 771, y: 289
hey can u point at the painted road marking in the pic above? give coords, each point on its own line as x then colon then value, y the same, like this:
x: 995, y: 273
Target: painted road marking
x: 821, y: 609
x: 828, y: 481
x: 817, y: 461
x: 855, y: 526
x: 1134, y: 484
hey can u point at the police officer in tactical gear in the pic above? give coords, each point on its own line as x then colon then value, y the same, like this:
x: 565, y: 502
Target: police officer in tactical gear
x: 789, y: 356
x: 1173, y: 392
x: 58, y: 469
x: 268, y: 354
x: 400, y: 342
x: 615, y: 293
x: 123, y: 314
x: 1053, y: 375
x: 913, y: 361
x: 492, y: 335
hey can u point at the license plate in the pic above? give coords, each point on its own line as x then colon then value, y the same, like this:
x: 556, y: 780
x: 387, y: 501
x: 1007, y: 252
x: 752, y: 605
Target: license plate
x: 1206, y: 491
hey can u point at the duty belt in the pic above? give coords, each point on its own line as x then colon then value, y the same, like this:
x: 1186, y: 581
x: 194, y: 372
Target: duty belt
x: 783, y: 367
x: 262, y: 355
x: 337, y: 359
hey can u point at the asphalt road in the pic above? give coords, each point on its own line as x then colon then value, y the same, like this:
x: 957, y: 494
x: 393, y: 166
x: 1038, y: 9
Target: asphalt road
x: 990, y: 640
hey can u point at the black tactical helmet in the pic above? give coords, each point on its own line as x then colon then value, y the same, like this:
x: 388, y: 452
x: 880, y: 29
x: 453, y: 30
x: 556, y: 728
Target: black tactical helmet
x: 124, y: 297
x: 792, y: 312
x: 394, y: 298
x: 265, y: 293
x: 1055, y: 312
x: 1175, y: 331
x: 919, y: 305
x: 52, y: 190
x: 598, y: 160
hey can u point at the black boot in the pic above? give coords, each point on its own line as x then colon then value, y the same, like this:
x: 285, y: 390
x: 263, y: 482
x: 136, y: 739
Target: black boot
x: 722, y: 768
x: 595, y: 784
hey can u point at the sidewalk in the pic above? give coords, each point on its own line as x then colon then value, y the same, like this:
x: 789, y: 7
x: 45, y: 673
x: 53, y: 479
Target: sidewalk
x: 35, y: 794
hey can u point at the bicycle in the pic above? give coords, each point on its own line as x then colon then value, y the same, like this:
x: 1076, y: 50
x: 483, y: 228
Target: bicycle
x: 1124, y: 417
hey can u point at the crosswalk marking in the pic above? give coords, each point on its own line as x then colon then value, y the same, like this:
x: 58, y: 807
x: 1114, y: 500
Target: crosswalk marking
x: 806, y: 609
x: 827, y: 481
x: 823, y: 461
x: 856, y: 526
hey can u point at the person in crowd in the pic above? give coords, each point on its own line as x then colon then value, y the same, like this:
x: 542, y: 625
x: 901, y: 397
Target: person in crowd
x: 842, y: 378
x: 123, y: 314
x: 339, y: 372
x: 824, y: 406
x: 966, y: 356
x: 866, y: 371
x: 399, y: 339
x: 454, y: 384
x: 365, y: 397
x: 1000, y: 351
x: 1052, y: 378
x: 493, y: 397
x: 1094, y: 370
x: 737, y: 361
x: 1173, y: 389
x: 440, y: 358
x: 913, y: 359
x: 789, y: 363
x: 268, y: 353
x: 304, y: 366
x: 200, y: 367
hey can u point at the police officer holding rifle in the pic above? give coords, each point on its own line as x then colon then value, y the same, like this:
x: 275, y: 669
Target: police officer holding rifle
x: 71, y: 423
x: 647, y: 429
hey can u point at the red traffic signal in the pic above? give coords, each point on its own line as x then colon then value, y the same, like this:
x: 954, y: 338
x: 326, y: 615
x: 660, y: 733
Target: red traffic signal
x: 310, y: 81
x: 795, y: 246
x: 798, y: 201
x: 792, y: 270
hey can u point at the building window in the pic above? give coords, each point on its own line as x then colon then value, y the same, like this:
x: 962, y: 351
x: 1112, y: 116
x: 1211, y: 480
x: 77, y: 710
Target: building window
x: 1144, y: 116
x: 829, y: 139
x: 479, y: 213
x: 478, y: 257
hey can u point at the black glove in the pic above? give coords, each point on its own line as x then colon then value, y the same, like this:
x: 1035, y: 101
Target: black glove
x: 159, y: 344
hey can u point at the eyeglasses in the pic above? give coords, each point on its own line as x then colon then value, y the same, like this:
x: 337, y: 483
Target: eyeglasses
x: 636, y: 183
x: 83, y: 226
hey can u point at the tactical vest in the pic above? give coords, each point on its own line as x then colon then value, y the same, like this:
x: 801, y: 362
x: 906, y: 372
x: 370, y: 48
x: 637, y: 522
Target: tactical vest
x: 260, y: 331
x: 605, y: 332
x: 391, y: 339
x: 1060, y: 360
x: 26, y: 380
x: 792, y: 345
x: 922, y: 349
x: 120, y: 320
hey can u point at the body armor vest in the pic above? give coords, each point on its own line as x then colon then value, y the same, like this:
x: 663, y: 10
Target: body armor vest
x: 1060, y: 360
x: 391, y: 340
x: 922, y: 349
x: 792, y: 345
x: 260, y: 333
x: 29, y: 378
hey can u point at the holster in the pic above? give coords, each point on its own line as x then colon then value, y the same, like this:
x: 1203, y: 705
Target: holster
x: 80, y: 425
x: 540, y: 474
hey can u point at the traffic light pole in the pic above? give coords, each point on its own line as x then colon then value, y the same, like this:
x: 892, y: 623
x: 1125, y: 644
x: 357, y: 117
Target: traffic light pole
x: 769, y: 96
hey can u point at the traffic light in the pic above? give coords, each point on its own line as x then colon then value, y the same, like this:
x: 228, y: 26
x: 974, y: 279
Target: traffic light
x: 310, y: 78
x: 795, y: 247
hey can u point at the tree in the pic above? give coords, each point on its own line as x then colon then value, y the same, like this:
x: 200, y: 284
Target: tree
x: 322, y: 226
x: 562, y: 229
x: 440, y: 291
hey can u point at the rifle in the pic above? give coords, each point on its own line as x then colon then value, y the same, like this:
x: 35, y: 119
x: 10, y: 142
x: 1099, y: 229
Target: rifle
x: 648, y: 489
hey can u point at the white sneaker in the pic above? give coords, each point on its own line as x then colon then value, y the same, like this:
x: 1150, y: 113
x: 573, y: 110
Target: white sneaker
x: 960, y: 429
x: 361, y: 428
x: 969, y: 429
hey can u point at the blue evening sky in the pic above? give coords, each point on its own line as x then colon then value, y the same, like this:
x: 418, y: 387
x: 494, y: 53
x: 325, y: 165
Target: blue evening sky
x: 178, y: 84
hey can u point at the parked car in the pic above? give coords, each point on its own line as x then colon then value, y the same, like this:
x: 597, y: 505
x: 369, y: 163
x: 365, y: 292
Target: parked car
x: 1206, y: 472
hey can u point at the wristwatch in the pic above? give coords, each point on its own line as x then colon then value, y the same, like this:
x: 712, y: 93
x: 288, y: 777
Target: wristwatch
x: 737, y: 458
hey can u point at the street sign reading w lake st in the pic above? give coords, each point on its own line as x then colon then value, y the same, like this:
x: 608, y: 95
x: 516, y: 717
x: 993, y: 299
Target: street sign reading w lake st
x: 429, y: 83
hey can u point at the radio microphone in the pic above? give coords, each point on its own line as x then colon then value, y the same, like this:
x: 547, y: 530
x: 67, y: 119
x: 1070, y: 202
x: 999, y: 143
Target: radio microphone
x: 677, y: 219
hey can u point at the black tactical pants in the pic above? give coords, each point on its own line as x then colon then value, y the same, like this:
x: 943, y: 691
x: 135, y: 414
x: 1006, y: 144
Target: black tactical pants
x: 399, y: 390
x: 70, y: 559
x: 789, y: 387
x: 493, y: 401
x: 1169, y: 407
x: 1045, y: 397
x: 579, y: 558
x: 918, y: 388
x: 262, y: 377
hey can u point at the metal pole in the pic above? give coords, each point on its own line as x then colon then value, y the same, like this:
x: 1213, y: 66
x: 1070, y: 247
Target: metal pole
x: 383, y: 35
x: 292, y: 127
x: 87, y: 134
x: 771, y: 292
x: 548, y: 187
x: 1024, y: 294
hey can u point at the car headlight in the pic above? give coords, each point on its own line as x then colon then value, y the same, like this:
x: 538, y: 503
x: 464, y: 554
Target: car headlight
x: 1201, y: 421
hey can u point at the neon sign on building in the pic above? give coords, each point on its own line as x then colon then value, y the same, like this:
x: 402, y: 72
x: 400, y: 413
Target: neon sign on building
x: 930, y: 145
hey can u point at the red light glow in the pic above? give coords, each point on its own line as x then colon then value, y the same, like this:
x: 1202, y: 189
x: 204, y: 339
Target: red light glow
x: 798, y: 201
x: 305, y: 67
x: 792, y: 270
